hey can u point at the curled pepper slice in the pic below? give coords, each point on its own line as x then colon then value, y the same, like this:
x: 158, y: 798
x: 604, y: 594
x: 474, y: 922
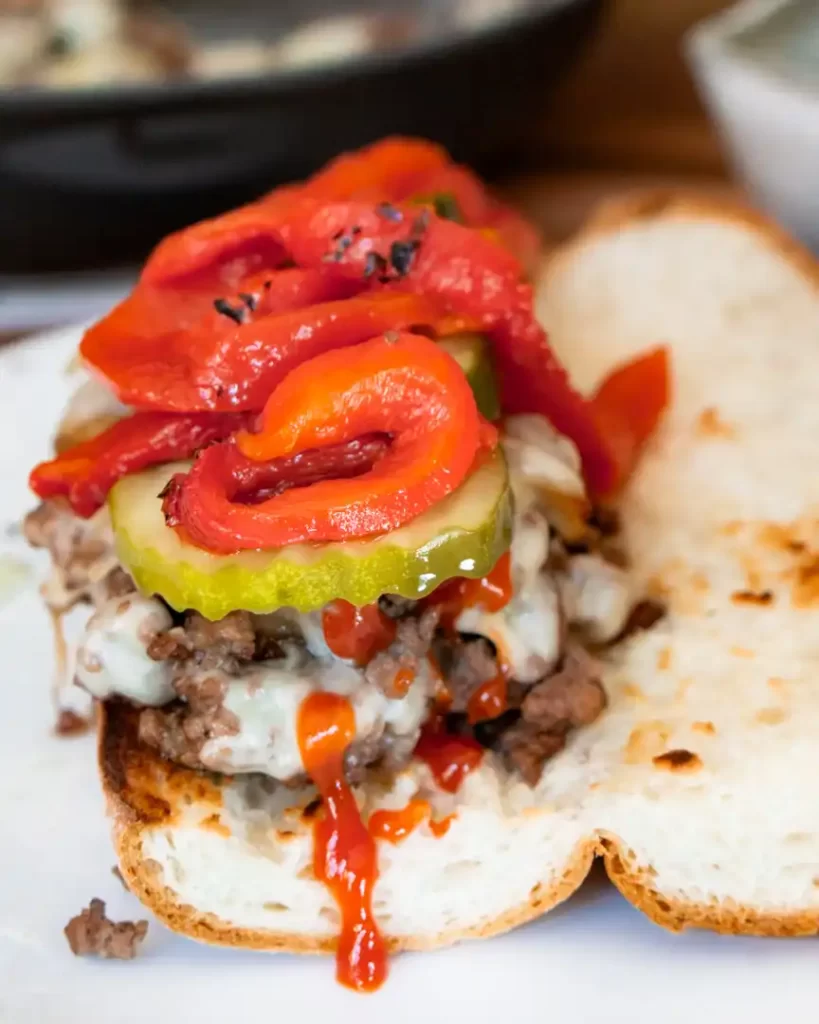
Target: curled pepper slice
x: 223, y: 361
x: 86, y: 472
x: 629, y: 403
x: 407, y: 388
x: 475, y: 278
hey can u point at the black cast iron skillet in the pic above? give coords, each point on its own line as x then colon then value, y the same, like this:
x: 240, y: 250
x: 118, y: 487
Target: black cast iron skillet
x: 94, y: 177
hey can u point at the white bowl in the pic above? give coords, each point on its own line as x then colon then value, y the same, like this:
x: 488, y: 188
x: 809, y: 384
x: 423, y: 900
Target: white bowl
x: 757, y: 66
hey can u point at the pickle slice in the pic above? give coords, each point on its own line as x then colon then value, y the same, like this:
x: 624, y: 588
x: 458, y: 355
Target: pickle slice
x: 473, y: 354
x: 463, y: 535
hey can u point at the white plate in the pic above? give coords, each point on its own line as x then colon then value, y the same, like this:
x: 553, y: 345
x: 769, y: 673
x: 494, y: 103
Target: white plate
x: 593, y: 959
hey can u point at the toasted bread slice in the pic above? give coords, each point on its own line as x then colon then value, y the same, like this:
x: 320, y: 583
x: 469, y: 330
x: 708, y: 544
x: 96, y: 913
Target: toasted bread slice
x: 698, y: 785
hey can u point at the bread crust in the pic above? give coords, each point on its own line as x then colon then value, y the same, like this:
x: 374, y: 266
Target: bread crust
x: 611, y: 215
x: 133, y: 778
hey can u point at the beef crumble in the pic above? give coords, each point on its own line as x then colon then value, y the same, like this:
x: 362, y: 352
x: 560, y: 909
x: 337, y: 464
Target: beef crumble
x: 223, y: 644
x: 91, y: 933
x: 466, y: 663
x: 69, y: 723
x: 82, y: 553
x: 572, y: 697
x: 393, y: 669
x: 180, y: 730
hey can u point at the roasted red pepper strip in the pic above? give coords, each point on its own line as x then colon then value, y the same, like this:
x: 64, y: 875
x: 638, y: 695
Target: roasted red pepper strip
x: 86, y: 473
x: 480, y: 209
x: 143, y: 328
x: 393, y: 170
x: 470, y: 274
x: 474, y: 277
x: 408, y: 388
x: 227, y: 247
x: 629, y: 403
x: 218, y: 364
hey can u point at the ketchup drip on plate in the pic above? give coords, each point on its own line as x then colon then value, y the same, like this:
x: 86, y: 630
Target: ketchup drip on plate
x: 344, y: 852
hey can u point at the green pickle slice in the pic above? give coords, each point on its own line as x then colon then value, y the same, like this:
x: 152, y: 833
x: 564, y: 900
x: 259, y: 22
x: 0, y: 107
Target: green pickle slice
x: 463, y: 535
x: 472, y: 353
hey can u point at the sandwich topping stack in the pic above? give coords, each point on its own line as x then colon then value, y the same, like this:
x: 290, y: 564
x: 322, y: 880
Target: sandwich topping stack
x: 343, y: 530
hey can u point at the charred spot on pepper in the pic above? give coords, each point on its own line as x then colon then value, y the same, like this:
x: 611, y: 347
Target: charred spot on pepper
x: 251, y: 301
x: 374, y: 264
x: 402, y: 256
x: 234, y: 313
x: 389, y: 212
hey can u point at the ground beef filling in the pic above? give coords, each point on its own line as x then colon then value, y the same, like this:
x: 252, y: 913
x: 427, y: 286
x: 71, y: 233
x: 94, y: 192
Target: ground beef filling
x: 246, y: 652
x: 204, y: 688
x: 84, y: 565
x: 572, y: 697
x: 209, y: 654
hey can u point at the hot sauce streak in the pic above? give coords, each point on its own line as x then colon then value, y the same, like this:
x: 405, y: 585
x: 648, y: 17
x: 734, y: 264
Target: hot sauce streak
x: 356, y: 633
x: 488, y: 701
x: 395, y: 826
x: 403, y: 681
x: 344, y: 852
x: 441, y: 827
x: 449, y: 758
x: 491, y: 592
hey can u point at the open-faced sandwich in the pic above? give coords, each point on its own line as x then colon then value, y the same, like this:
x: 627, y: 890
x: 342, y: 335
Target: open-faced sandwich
x: 344, y: 524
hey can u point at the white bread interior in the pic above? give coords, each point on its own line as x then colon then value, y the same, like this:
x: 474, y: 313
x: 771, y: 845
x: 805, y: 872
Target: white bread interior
x: 721, y: 522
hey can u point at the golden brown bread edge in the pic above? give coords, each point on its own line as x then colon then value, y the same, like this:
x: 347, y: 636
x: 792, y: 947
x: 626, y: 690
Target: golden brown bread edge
x: 141, y: 789
x: 137, y: 782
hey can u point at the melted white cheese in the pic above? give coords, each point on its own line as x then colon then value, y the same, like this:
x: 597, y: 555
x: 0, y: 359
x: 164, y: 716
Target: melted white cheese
x: 112, y: 656
x: 593, y: 594
x: 597, y: 596
x: 527, y: 631
x: 266, y: 702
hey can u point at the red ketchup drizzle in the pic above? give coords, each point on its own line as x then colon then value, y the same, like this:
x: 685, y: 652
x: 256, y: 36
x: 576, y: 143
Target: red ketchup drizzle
x: 441, y: 827
x: 356, y: 633
x: 402, y: 681
x: 449, y: 758
x: 488, y: 701
x: 394, y: 826
x: 491, y: 592
x: 344, y: 852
